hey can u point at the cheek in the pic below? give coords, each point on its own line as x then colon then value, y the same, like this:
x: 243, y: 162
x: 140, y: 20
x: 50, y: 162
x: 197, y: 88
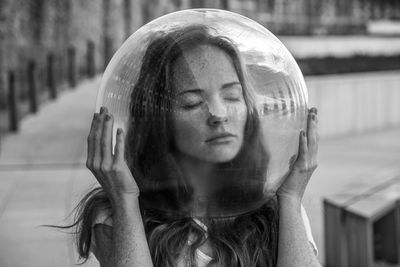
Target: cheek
x: 187, y: 127
x: 238, y: 114
x: 243, y: 114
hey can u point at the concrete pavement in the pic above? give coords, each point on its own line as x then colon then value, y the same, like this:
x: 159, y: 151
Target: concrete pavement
x: 349, y: 163
x: 42, y: 175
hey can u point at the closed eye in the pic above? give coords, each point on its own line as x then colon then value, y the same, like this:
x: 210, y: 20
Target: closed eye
x: 192, y: 105
x: 190, y: 100
x: 233, y: 93
x: 233, y: 99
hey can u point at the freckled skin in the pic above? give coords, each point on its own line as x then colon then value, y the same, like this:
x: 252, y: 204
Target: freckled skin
x: 207, y: 68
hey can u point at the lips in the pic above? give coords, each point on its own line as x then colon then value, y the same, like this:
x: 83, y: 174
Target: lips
x: 220, y: 137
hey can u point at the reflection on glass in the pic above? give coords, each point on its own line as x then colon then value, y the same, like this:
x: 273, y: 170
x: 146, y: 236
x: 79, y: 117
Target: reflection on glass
x: 213, y: 104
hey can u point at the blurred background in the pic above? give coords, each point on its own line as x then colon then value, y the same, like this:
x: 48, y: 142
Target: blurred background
x: 53, y: 53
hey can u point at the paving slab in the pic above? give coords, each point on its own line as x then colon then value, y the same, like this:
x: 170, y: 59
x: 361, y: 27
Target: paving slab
x: 42, y: 176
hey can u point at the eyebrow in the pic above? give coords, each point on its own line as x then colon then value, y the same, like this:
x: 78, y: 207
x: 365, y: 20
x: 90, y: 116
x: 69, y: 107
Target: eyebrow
x: 198, y: 90
x: 195, y: 90
x: 227, y: 85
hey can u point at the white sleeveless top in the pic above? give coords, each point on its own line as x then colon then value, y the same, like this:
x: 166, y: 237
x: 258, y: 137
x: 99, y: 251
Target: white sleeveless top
x: 104, y: 217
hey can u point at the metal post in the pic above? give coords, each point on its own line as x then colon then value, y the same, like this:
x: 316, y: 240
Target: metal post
x: 71, y: 66
x: 32, y: 87
x: 225, y: 4
x: 90, y: 64
x: 13, y: 103
x: 51, y: 84
x: 108, y: 50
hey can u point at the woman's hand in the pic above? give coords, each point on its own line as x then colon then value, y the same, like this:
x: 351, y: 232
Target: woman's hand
x: 296, y: 182
x: 128, y: 244
x: 110, y: 170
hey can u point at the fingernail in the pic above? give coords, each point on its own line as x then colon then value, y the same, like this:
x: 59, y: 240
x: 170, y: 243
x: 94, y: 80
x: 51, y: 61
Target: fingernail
x: 108, y: 117
x: 313, y: 110
x: 102, y: 110
x: 119, y: 131
x: 303, y: 133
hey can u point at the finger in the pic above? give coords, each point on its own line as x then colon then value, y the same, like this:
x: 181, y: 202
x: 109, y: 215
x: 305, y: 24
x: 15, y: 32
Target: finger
x: 312, y: 129
x: 119, y: 146
x: 94, y: 129
x: 313, y: 110
x: 303, y: 148
x: 90, y: 143
x: 97, y: 140
x: 106, y: 141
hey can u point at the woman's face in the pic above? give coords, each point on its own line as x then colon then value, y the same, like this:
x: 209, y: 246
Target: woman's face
x: 209, y: 109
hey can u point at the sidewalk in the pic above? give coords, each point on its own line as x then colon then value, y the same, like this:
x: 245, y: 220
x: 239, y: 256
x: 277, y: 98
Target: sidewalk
x: 348, y: 163
x: 43, y: 174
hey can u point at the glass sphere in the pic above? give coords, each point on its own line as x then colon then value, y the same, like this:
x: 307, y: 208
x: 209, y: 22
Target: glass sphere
x: 212, y: 104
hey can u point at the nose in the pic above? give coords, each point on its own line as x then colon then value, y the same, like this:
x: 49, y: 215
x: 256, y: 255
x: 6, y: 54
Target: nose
x: 217, y: 113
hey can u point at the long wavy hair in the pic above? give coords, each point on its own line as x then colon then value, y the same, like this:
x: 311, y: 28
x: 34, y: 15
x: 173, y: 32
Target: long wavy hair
x: 247, y: 239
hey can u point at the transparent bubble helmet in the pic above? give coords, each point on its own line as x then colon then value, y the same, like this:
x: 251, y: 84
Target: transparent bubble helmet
x: 212, y: 105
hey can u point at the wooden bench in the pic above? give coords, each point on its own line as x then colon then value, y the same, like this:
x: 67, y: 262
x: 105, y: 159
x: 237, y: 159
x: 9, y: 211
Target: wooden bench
x: 362, y: 228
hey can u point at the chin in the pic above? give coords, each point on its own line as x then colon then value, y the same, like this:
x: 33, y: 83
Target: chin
x: 222, y: 156
x: 219, y: 159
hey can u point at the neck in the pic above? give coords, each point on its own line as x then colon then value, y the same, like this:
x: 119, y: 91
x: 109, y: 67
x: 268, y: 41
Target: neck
x: 199, y: 174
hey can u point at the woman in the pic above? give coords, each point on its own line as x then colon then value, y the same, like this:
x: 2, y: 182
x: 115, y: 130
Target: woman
x: 193, y: 130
